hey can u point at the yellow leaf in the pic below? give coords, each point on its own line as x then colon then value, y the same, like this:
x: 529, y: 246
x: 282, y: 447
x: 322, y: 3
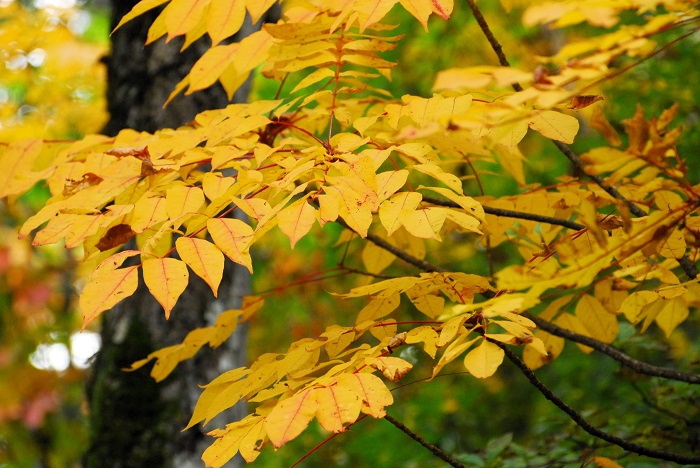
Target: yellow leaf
x: 210, y: 66
x: 378, y: 308
x: 635, y: 304
x: 554, y: 125
x: 224, y: 19
x: 425, y: 223
x: 552, y: 344
x: 139, y: 9
x: 205, y: 259
x: 148, y: 212
x: 183, y: 15
x: 371, y: 390
x: 233, y: 237
x: 105, y: 289
x: 338, y: 406
x: 166, y: 278
x: 389, y: 182
x: 420, y: 9
x: 453, y: 351
x: 258, y: 7
x: 290, y: 417
x: 180, y: 200
x: 393, y: 368
x: 16, y: 161
x: 240, y: 436
x: 451, y: 180
x: 673, y: 314
x: 375, y: 258
x: 604, y: 462
x: 601, y: 324
x: 426, y: 335
x: 483, y: 360
x: 393, y: 211
x: 431, y: 304
x: 296, y: 220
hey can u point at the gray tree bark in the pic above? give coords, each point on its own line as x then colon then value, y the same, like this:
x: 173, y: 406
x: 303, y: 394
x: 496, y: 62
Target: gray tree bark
x: 134, y: 421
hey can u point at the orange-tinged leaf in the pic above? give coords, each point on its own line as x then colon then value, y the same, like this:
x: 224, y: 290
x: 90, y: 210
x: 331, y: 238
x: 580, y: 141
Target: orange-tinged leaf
x: 139, y: 9
x: 483, y: 360
x: 166, y: 278
x: 16, y: 161
x: 148, y: 212
x: 296, y: 220
x: 233, y: 237
x: 371, y: 390
x: 224, y: 19
x: 105, y: 289
x: 338, y: 406
x: 181, y: 16
x: 605, y: 462
x: 290, y: 417
x: 210, y: 66
x: 443, y: 8
x: 205, y: 259
x: 554, y: 125
x: 258, y: 8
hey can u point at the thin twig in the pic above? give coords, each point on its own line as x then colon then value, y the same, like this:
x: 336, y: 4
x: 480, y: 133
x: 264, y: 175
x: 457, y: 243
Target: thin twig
x: 403, y: 255
x: 432, y: 448
x: 495, y: 45
x: 512, y: 214
x: 686, y: 264
x: 627, y: 361
x: 588, y: 427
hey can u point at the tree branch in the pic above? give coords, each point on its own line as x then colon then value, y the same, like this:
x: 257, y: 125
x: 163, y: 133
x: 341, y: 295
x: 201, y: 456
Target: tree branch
x: 686, y: 264
x: 512, y: 214
x: 405, y: 256
x: 627, y: 361
x: 432, y: 448
x: 588, y: 427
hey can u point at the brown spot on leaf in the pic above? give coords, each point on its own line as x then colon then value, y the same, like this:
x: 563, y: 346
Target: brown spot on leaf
x: 115, y: 236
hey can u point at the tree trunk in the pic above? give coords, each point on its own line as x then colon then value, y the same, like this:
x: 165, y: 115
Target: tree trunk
x: 136, y: 422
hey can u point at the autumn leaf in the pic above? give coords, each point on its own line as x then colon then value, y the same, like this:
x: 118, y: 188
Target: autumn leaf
x: 233, y: 237
x: 290, y: 417
x: 483, y: 360
x: 105, y: 289
x: 205, y: 259
x: 166, y: 278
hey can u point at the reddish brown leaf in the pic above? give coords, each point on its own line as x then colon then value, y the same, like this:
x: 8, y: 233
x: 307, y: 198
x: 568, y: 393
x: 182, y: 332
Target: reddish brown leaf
x: 115, y: 236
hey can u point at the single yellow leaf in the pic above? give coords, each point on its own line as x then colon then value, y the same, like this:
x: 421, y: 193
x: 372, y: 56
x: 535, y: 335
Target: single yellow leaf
x: 378, y: 308
x: 181, y: 16
x: 371, y: 390
x: 393, y: 368
x: 105, y: 289
x: 205, y: 259
x: 601, y: 324
x: 605, y: 462
x: 290, y: 417
x: 166, y: 278
x: 393, y: 211
x: 233, y: 237
x: 426, y: 335
x: 296, y: 220
x: 338, y: 406
x: 425, y: 223
x: 483, y: 360
x: 420, y: 9
x: 139, y: 9
x: 673, y: 314
x: 224, y: 19
x: 554, y: 125
x: 258, y: 8
x: 180, y: 200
